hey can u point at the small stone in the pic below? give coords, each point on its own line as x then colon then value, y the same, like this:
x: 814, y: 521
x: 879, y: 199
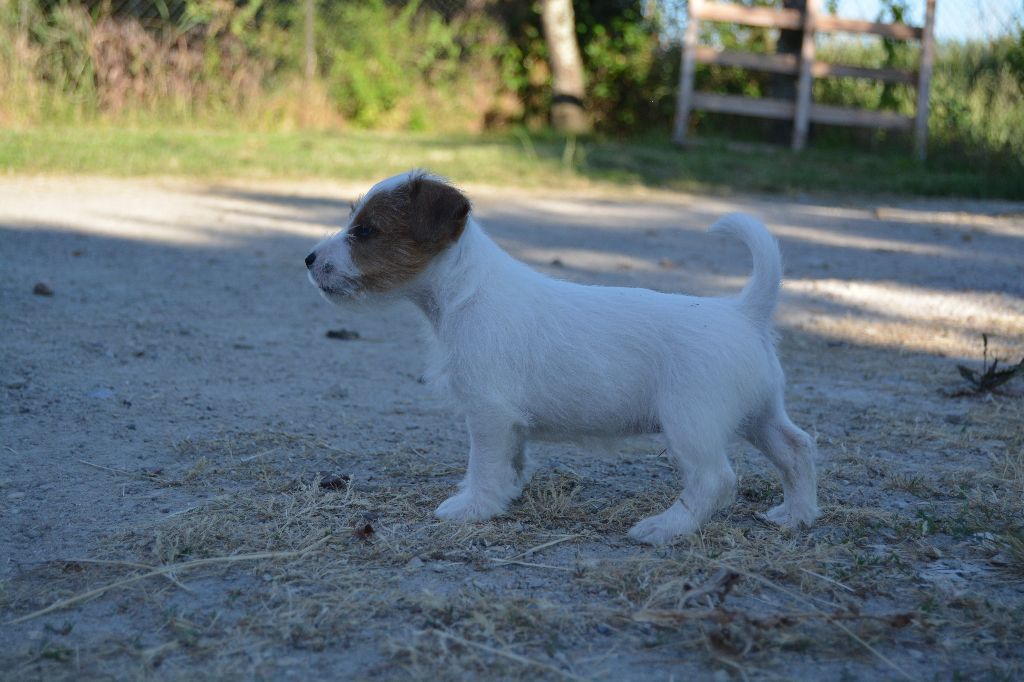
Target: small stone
x: 342, y: 334
x: 557, y: 262
x: 42, y: 289
x: 414, y: 563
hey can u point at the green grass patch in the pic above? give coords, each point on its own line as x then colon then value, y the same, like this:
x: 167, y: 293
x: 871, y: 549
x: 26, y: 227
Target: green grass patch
x: 512, y: 159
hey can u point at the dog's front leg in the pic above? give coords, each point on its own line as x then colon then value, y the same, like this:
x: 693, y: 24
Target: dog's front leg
x: 493, y: 478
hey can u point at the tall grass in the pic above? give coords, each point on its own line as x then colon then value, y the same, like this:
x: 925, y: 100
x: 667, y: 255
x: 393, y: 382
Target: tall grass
x: 976, y: 102
x: 381, y: 66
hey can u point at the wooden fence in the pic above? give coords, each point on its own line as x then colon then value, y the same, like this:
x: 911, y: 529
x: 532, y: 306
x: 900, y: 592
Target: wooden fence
x: 802, y: 111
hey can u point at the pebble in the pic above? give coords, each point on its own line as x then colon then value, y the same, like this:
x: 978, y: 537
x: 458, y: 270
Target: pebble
x: 415, y: 562
x: 342, y: 334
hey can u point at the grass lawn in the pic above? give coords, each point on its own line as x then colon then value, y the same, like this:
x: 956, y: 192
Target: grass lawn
x: 517, y: 159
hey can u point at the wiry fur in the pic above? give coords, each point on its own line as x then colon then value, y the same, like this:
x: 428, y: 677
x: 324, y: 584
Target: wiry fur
x: 530, y: 357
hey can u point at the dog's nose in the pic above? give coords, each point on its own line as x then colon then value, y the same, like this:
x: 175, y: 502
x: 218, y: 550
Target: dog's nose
x: 310, y: 259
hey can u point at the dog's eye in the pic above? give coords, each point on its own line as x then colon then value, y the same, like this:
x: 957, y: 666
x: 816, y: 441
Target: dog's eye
x: 362, y: 231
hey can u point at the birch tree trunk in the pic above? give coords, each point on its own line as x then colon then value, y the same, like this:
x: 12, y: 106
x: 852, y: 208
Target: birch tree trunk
x: 567, y: 111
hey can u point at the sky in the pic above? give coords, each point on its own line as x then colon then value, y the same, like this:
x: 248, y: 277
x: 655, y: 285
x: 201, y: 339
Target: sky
x: 954, y: 19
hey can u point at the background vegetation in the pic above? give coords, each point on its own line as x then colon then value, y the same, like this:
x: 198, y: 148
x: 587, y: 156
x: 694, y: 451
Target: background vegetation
x: 465, y: 68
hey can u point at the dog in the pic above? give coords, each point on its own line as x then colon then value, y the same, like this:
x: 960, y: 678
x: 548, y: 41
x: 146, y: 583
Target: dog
x: 527, y: 357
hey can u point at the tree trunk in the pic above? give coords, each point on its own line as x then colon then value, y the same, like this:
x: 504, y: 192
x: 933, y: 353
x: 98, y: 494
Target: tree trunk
x: 567, y: 112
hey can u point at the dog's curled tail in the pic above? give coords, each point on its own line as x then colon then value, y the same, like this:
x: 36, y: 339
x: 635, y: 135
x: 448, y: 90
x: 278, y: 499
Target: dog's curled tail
x: 759, y: 296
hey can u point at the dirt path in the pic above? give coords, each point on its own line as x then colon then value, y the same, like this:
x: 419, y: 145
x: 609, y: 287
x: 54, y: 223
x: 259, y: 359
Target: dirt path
x: 176, y: 396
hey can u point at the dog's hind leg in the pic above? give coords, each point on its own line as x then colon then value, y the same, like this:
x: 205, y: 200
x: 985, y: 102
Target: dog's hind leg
x: 791, y: 450
x: 495, y: 475
x: 709, y: 482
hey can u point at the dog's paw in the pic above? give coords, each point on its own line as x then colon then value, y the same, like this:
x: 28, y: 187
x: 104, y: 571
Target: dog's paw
x: 789, y: 516
x: 662, y: 528
x: 466, y: 506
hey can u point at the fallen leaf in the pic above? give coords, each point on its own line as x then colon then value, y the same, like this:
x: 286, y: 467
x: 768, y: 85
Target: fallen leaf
x: 331, y: 481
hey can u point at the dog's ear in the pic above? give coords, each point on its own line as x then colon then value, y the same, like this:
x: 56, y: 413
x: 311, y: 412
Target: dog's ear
x: 439, y: 211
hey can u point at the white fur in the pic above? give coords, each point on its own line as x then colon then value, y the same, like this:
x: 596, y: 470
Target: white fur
x: 530, y: 357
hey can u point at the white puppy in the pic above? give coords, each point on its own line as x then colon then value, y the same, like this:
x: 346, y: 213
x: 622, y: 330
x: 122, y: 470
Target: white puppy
x: 530, y: 357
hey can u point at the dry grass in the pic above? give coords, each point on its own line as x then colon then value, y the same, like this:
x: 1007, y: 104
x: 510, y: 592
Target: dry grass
x: 278, y: 563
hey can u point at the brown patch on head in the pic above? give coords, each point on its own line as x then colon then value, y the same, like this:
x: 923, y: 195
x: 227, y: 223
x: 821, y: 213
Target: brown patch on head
x: 398, y: 232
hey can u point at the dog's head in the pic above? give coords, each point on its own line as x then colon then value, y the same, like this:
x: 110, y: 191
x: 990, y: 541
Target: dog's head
x: 393, y: 233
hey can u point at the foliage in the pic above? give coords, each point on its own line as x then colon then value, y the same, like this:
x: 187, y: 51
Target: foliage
x: 410, y: 66
x: 387, y: 58
x: 632, y: 76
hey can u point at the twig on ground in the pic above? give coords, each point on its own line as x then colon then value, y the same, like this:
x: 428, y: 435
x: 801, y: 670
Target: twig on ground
x: 510, y: 655
x: 768, y: 583
x: 132, y: 564
x: 720, y: 615
x: 829, y: 580
x: 556, y: 541
x: 184, y: 566
x: 122, y: 472
x: 531, y: 565
x: 250, y: 458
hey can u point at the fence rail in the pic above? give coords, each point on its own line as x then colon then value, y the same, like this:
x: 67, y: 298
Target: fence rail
x: 802, y: 111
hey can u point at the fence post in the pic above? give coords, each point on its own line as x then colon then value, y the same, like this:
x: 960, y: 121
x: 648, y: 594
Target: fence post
x: 924, y: 80
x: 801, y: 117
x: 684, y: 103
x: 310, y: 40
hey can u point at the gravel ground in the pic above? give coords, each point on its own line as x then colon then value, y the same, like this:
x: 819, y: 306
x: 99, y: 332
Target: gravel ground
x: 171, y: 404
